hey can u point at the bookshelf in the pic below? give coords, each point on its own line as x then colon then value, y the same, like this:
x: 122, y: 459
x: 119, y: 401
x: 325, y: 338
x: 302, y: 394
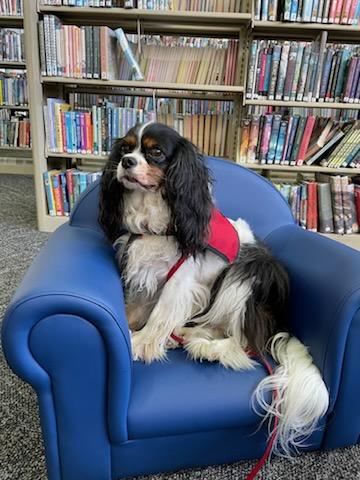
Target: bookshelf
x: 14, y: 160
x: 225, y: 25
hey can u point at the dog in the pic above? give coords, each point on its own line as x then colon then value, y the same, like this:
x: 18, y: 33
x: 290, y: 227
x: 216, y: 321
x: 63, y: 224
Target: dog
x: 156, y: 207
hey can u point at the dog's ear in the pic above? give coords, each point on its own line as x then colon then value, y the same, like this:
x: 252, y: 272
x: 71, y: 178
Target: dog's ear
x: 111, y: 196
x: 187, y: 190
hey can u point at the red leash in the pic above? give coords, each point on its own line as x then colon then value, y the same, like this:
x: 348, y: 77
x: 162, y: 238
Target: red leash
x: 261, y: 462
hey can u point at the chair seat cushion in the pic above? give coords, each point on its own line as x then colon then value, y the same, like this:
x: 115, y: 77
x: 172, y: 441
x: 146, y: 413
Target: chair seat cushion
x: 182, y: 396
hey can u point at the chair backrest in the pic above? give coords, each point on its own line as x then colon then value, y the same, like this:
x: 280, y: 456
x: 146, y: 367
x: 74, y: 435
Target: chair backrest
x: 238, y: 192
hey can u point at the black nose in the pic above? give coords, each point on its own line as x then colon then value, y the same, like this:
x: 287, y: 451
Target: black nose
x: 128, y: 162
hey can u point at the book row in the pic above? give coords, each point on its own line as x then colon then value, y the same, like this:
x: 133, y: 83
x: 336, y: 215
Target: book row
x: 12, y: 44
x: 11, y: 7
x: 100, y: 52
x: 346, y: 12
x: 14, y: 130
x: 13, y: 87
x: 293, y: 140
x: 304, y: 71
x: 329, y: 205
x: 160, y: 105
x: 172, y: 5
x: 63, y: 188
x: 93, y: 130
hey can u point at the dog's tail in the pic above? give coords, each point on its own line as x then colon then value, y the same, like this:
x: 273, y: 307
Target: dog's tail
x: 253, y: 294
x: 301, y: 397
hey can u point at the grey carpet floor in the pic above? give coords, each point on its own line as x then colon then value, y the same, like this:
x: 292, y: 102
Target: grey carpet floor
x: 21, y: 449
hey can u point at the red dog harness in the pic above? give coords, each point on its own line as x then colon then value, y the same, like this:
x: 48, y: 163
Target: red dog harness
x: 223, y: 240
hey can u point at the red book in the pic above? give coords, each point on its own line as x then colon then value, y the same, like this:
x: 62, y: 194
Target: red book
x: 338, y: 11
x: 312, y: 215
x: 351, y: 19
x: 56, y: 185
x: 332, y: 11
x: 262, y: 71
x: 304, y: 145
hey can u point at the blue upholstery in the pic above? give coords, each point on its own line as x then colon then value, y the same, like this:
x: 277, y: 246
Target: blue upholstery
x: 105, y: 417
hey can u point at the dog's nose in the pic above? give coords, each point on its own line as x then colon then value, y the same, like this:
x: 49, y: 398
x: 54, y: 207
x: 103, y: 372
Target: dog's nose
x: 128, y: 162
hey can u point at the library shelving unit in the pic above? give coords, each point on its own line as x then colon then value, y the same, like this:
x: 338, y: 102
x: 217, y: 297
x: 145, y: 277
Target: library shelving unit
x: 15, y: 160
x: 235, y: 25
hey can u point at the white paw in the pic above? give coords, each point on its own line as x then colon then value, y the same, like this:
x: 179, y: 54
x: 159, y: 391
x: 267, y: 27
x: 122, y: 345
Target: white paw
x: 146, y: 349
x: 225, y: 351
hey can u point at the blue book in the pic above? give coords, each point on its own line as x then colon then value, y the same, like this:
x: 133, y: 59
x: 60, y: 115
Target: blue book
x: 68, y: 132
x: 264, y: 10
x: 83, y: 182
x: 294, y: 126
x: 357, y: 13
x: 345, y: 57
x: 326, y: 73
x: 273, y: 139
x: 307, y: 10
x: 280, y: 142
x: 293, y: 10
x: 78, y: 132
x: 267, y: 69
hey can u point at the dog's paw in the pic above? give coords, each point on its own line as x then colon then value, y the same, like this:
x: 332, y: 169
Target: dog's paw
x: 146, y: 349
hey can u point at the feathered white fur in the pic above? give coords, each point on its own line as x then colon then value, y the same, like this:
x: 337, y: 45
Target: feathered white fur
x: 302, y: 395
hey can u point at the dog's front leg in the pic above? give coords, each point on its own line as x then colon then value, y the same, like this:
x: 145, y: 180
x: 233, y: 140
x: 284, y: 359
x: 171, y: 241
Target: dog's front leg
x: 173, y: 309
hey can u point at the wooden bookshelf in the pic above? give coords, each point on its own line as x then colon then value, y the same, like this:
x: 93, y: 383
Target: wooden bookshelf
x: 237, y: 25
x: 15, y: 21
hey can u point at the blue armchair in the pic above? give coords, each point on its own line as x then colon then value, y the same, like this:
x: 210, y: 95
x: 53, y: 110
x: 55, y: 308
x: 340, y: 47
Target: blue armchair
x: 105, y: 417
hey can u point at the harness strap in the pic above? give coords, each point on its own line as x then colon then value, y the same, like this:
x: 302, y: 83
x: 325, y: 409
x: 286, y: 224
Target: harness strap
x: 176, y: 267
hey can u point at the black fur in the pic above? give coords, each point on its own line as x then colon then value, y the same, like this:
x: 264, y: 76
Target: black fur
x: 266, y: 308
x: 187, y: 193
x: 111, y: 196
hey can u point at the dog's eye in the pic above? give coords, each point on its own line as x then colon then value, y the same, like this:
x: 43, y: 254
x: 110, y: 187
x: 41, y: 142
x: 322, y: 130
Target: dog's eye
x: 155, y: 152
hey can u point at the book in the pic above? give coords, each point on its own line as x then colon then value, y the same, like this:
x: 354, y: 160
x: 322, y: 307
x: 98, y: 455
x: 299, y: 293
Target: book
x: 326, y: 224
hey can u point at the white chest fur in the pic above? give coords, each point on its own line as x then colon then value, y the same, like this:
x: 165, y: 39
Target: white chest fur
x: 146, y: 212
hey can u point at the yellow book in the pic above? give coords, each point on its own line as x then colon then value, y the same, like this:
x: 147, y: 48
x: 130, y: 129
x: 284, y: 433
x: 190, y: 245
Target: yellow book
x: 1, y: 92
x: 213, y: 134
x: 59, y: 107
x: 207, y: 134
x: 219, y: 127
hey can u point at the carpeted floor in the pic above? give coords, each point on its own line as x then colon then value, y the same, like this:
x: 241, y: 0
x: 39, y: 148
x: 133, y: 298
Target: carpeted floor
x: 21, y: 449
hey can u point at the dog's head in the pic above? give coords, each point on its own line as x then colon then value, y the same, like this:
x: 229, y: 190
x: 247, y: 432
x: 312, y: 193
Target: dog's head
x: 155, y: 158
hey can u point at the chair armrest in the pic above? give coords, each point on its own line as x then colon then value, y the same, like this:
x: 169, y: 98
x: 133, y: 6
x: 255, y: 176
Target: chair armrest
x: 67, y: 323
x: 324, y: 303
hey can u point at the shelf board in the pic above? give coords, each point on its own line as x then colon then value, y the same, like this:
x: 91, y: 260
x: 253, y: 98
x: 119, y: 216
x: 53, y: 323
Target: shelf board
x: 18, y: 169
x: 119, y: 15
x: 12, y: 64
x: 302, y: 168
x: 144, y: 84
x: 305, y: 30
x: 352, y: 240
x: 199, y: 23
x: 15, y: 149
x: 15, y: 107
x: 284, y: 103
x: 84, y: 156
x: 11, y: 21
x: 50, y: 224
